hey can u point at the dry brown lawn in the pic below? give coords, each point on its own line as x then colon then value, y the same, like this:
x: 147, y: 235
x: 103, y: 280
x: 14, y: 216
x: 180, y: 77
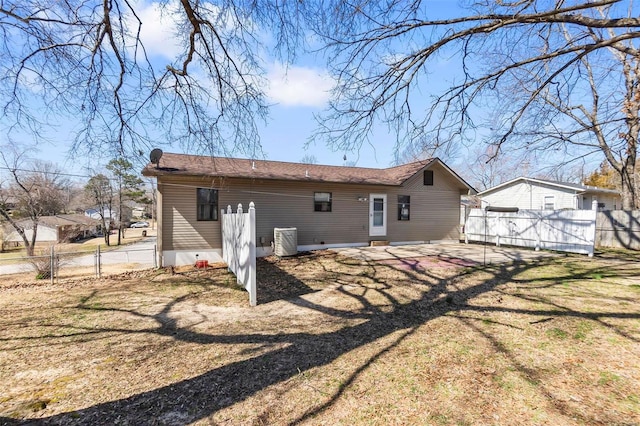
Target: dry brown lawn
x: 333, y: 341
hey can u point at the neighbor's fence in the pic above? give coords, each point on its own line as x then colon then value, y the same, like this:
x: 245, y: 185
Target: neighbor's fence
x: 562, y: 230
x: 80, y: 263
x: 618, y: 228
x: 239, y: 247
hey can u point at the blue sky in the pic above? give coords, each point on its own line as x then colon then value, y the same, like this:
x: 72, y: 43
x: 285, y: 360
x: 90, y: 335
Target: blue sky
x: 297, y: 92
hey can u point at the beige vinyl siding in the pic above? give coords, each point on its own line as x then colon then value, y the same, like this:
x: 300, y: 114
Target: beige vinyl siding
x: 434, y: 210
x: 291, y: 204
x: 182, y: 230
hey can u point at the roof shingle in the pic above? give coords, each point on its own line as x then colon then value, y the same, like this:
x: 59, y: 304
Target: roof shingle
x: 194, y: 165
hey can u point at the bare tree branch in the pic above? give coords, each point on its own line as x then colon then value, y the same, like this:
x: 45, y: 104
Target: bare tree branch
x: 529, y: 70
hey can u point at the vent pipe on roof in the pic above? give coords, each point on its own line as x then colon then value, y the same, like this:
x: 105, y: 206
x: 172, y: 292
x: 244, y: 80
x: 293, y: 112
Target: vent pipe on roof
x: 253, y: 165
x: 306, y: 173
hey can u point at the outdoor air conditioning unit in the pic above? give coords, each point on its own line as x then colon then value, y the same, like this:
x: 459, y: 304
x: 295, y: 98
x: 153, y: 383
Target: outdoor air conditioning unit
x: 285, y: 241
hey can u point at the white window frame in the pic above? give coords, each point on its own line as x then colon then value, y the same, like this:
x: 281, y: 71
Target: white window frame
x: 545, y: 202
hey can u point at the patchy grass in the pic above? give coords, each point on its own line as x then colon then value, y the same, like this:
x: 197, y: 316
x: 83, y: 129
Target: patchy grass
x: 333, y: 341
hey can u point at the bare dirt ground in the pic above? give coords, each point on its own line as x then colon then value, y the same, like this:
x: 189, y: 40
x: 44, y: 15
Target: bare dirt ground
x: 333, y: 341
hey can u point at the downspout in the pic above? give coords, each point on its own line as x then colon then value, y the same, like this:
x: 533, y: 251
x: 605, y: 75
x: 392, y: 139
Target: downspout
x: 159, y: 227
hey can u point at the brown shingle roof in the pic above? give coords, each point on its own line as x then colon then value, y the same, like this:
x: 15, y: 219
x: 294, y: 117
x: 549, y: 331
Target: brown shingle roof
x: 63, y: 220
x: 67, y: 219
x: 193, y: 165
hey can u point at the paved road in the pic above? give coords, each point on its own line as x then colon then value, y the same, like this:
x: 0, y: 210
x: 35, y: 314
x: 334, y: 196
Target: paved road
x: 140, y: 252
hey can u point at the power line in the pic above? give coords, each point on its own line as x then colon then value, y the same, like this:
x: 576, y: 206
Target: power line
x: 53, y: 173
x: 44, y: 172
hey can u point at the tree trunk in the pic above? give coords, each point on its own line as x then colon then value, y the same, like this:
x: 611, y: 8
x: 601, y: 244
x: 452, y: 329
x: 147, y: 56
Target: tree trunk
x: 20, y: 230
x: 628, y: 186
x: 34, y: 235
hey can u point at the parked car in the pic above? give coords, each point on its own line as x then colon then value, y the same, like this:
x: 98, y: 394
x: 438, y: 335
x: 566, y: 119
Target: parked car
x: 143, y: 224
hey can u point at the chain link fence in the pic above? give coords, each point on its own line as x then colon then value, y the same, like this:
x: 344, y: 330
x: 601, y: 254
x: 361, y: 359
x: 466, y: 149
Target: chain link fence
x: 87, y: 263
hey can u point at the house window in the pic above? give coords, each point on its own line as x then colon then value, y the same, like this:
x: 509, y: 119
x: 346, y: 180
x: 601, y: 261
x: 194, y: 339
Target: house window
x: 549, y: 202
x: 404, y: 207
x: 207, y: 204
x: 322, y: 201
x: 428, y: 177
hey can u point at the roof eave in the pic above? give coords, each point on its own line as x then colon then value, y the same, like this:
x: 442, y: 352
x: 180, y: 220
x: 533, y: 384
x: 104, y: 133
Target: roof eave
x: 544, y: 182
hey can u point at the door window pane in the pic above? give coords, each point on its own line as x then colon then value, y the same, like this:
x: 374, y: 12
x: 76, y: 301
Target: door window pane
x: 378, y: 212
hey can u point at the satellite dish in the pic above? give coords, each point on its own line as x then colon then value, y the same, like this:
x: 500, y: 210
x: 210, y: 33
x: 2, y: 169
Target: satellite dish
x: 155, y: 156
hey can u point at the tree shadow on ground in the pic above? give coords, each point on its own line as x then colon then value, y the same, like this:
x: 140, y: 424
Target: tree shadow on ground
x: 196, y: 398
x: 274, y: 284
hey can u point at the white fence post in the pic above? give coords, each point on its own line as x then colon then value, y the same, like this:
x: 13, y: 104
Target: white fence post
x: 239, y: 247
x: 253, y: 296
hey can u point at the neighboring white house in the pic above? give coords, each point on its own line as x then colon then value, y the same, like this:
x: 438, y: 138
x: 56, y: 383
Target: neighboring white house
x: 540, y: 194
x: 95, y: 214
x: 59, y: 228
x: 138, y: 212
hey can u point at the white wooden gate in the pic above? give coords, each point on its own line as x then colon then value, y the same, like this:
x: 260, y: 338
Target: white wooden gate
x: 562, y: 230
x: 239, y: 247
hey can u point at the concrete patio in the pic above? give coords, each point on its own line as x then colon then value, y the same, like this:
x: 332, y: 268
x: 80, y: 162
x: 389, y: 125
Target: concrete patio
x: 469, y: 253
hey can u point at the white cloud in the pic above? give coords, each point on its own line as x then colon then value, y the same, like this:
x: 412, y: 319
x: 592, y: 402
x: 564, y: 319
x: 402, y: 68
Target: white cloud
x: 159, y: 28
x: 299, y: 86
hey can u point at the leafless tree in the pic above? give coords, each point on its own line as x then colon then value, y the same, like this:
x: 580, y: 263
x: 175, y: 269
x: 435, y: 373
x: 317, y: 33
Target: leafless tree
x: 556, y: 78
x: 102, y: 195
x: 35, y: 189
x: 309, y: 159
x: 486, y: 169
x: 88, y: 60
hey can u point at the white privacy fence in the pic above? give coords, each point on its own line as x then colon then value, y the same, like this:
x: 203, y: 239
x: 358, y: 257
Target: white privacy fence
x: 239, y: 247
x: 562, y: 230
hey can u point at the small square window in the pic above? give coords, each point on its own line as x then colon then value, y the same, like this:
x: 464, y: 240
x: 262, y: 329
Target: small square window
x: 322, y: 201
x: 207, y: 204
x: 404, y: 207
x: 549, y: 202
x: 428, y: 177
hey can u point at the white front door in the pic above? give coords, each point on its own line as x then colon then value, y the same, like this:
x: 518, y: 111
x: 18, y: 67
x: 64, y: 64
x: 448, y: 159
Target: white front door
x: 377, y: 215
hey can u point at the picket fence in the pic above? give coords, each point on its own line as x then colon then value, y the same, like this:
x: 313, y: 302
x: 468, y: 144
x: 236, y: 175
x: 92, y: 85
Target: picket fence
x: 239, y: 247
x: 562, y: 230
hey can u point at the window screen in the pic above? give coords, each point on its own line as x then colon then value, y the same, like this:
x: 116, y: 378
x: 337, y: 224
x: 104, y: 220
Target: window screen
x: 322, y: 201
x: 207, y: 204
x: 404, y: 207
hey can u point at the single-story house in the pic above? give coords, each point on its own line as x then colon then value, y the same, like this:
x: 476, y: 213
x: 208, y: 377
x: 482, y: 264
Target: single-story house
x: 95, y: 214
x: 57, y: 229
x: 7, y: 202
x: 138, y: 212
x: 330, y: 206
x: 541, y: 194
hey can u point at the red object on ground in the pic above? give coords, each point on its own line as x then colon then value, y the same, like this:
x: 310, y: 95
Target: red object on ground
x: 202, y: 263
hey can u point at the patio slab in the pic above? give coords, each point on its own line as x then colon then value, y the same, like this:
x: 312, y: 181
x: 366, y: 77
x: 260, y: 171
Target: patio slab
x: 450, y: 253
